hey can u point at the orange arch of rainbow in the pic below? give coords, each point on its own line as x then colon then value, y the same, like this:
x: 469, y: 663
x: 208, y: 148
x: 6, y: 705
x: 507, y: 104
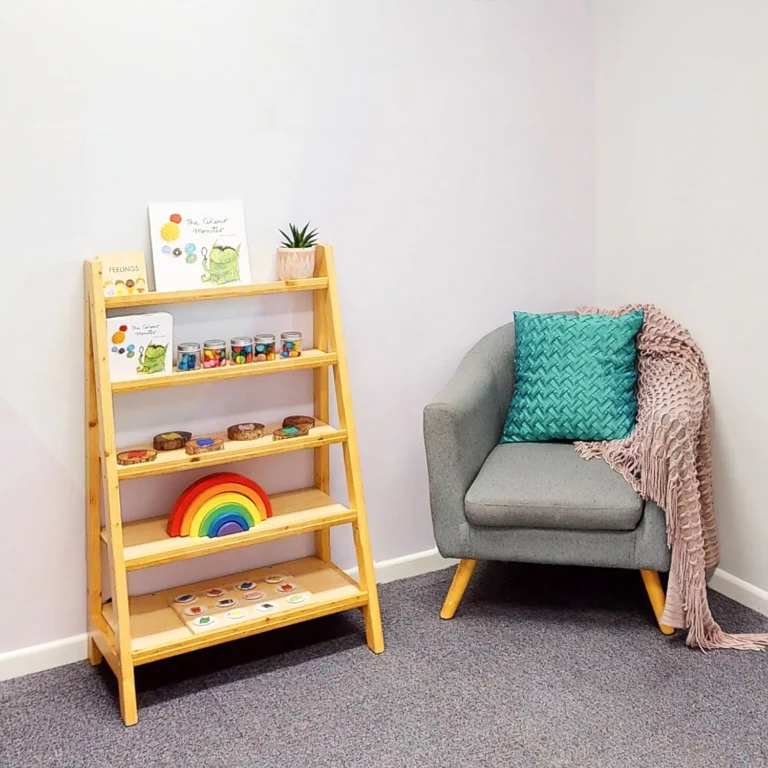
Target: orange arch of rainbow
x: 218, y: 505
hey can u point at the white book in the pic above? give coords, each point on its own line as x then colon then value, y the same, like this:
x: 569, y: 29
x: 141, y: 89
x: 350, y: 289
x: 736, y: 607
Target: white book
x: 140, y: 345
x: 198, y: 245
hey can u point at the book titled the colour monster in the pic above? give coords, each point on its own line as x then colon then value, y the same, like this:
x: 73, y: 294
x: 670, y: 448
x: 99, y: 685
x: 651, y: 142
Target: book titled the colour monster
x: 198, y: 245
x: 123, y: 274
x: 139, y: 345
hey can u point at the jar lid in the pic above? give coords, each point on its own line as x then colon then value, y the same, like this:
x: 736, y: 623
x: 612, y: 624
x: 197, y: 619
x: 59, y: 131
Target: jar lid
x: 214, y: 343
x: 265, y: 338
x: 189, y: 346
x: 241, y: 341
x: 290, y: 335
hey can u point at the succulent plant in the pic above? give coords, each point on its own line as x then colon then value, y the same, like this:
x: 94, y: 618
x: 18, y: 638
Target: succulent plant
x: 299, y: 238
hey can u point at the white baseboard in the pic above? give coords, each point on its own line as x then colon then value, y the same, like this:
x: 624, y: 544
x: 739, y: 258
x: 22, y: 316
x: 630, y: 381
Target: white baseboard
x: 407, y: 566
x: 37, y: 658
x: 68, y: 650
x: 739, y: 590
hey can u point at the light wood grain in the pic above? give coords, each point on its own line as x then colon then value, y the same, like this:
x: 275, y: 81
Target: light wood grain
x: 371, y: 611
x: 234, y: 450
x: 209, y: 294
x: 461, y: 577
x: 657, y: 597
x: 92, y: 490
x: 310, y: 358
x: 158, y: 632
x: 111, y: 487
x: 146, y: 542
x: 322, y: 405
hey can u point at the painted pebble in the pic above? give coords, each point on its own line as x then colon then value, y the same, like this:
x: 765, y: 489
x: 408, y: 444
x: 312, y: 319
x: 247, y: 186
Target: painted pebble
x: 185, y: 598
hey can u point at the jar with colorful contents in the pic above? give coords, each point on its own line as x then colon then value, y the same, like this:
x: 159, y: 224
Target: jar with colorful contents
x: 214, y: 353
x: 290, y: 344
x: 264, y: 347
x: 240, y: 350
x: 188, y: 356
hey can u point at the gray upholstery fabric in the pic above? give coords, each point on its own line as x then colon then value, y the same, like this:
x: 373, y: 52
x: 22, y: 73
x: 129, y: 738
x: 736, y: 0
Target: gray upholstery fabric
x: 462, y: 427
x: 548, y: 485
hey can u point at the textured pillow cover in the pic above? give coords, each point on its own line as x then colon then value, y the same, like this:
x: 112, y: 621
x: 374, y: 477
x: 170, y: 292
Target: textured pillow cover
x: 575, y: 377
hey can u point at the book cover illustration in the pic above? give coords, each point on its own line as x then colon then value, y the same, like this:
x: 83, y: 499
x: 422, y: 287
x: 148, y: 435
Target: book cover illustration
x: 140, y: 345
x: 198, y: 245
x: 123, y: 274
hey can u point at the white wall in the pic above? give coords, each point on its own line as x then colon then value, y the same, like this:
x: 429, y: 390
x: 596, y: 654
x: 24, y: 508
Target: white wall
x: 682, y: 199
x: 445, y: 148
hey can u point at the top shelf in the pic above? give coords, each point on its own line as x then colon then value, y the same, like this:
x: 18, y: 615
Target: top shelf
x: 208, y: 294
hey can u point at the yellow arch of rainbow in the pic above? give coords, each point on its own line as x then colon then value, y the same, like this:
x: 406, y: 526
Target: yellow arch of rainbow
x: 199, y: 516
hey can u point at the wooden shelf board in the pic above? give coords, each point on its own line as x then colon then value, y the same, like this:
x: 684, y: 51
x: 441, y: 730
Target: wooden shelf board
x: 234, y: 450
x: 158, y: 632
x: 309, y: 358
x: 146, y: 542
x: 209, y: 294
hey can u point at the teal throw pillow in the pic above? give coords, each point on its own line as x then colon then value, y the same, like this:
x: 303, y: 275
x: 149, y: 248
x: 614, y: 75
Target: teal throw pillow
x: 575, y: 377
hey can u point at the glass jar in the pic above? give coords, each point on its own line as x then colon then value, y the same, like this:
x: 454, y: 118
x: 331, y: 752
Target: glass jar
x: 188, y: 356
x: 214, y: 353
x: 290, y: 344
x: 264, y: 347
x: 241, y: 350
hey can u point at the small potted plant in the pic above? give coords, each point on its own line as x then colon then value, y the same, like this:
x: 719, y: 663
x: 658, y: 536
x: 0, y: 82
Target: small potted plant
x: 296, y: 254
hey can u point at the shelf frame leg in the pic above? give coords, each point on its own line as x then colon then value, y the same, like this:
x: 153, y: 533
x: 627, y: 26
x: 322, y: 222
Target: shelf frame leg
x: 93, y: 494
x: 111, y: 488
x: 322, y: 401
x: 371, y: 611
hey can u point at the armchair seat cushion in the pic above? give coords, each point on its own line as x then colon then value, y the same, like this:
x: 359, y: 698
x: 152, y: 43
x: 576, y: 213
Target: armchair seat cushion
x: 548, y: 485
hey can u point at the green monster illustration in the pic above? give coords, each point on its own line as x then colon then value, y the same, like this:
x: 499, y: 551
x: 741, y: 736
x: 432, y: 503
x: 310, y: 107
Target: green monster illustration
x: 222, y: 265
x: 152, y: 359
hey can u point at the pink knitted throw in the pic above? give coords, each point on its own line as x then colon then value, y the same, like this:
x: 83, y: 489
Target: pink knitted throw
x: 667, y: 459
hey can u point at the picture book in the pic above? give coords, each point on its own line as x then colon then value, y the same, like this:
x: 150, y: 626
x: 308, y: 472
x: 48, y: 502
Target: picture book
x: 140, y: 345
x: 198, y: 245
x: 124, y: 273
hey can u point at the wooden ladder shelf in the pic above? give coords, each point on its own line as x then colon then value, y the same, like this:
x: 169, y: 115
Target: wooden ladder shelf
x: 130, y: 630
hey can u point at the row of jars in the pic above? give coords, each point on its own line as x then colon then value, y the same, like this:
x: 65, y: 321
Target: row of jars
x: 214, y: 353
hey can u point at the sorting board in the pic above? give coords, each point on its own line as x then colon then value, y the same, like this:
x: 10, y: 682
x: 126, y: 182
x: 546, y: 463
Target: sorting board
x: 235, y: 601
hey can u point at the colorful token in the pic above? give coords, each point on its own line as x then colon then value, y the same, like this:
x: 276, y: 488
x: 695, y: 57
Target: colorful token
x: 255, y: 595
x: 204, y: 621
x: 285, y: 588
x: 236, y: 614
x: 266, y: 607
x: 296, y: 599
x: 195, y: 610
x: 185, y: 598
x: 274, y: 578
x: 215, y: 592
x: 227, y: 602
x: 244, y: 586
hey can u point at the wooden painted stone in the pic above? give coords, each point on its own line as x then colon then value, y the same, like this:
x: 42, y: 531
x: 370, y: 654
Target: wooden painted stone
x: 249, y: 431
x: 204, y: 445
x: 140, y: 456
x: 299, y: 421
x: 171, y: 441
x: 286, y: 433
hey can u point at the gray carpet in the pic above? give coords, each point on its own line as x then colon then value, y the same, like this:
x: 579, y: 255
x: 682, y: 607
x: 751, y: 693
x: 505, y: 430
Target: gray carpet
x: 541, y: 667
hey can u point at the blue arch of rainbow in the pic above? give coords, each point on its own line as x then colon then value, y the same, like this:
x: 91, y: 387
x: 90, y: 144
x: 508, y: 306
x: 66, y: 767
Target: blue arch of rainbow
x: 219, y: 505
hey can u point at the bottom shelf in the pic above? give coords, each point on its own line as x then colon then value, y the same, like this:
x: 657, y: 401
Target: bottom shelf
x: 160, y: 628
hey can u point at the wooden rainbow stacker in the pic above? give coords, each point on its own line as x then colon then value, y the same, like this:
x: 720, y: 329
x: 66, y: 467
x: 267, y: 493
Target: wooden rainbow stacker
x: 130, y: 630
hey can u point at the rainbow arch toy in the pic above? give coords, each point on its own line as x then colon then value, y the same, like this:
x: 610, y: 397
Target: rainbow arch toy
x: 219, y: 505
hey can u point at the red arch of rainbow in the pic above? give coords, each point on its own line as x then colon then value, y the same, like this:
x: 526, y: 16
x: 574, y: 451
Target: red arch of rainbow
x: 208, y: 487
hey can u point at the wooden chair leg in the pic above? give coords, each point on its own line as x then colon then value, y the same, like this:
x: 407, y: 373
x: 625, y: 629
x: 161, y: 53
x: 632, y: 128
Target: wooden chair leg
x: 656, y: 595
x: 461, y: 578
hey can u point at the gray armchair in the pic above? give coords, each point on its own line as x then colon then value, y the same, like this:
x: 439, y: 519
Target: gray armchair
x: 526, y: 502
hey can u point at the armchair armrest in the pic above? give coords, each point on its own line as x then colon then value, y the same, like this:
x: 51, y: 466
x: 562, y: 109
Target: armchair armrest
x: 462, y: 425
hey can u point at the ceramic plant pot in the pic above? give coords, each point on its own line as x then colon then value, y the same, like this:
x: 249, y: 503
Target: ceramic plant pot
x: 295, y: 263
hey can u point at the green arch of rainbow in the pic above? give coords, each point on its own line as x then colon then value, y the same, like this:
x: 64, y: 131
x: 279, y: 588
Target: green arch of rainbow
x: 219, y: 505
